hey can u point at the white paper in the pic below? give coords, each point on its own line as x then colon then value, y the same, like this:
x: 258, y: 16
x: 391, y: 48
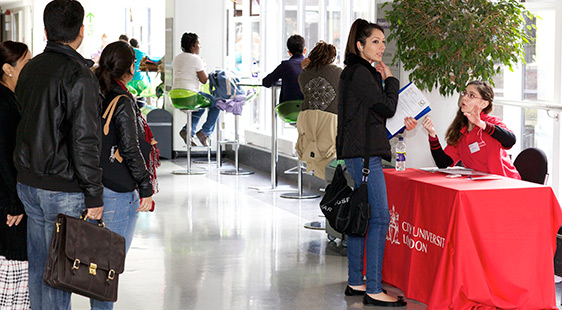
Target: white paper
x: 411, y: 102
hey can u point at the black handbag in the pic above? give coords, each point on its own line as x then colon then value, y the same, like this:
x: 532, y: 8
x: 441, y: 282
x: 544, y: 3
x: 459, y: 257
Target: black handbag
x: 85, y: 258
x: 347, y: 210
x: 116, y: 173
x: 337, y: 193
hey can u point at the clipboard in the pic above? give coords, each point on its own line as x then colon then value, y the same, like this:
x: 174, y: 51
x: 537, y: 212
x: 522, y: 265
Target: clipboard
x: 411, y: 101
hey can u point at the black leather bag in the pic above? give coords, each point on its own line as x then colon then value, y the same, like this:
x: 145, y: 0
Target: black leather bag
x: 85, y: 258
x: 337, y: 195
x: 346, y: 210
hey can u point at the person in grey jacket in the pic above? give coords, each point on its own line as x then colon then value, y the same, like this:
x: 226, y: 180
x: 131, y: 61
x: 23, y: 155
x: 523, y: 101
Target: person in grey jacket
x: 58, y: 142
x: 363, y: 107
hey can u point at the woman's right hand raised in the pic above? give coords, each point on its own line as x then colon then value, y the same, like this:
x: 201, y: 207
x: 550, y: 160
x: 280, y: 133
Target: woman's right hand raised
x: 428, y: 125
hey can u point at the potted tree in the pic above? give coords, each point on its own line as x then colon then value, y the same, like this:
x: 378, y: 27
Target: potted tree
x: 447, y: 43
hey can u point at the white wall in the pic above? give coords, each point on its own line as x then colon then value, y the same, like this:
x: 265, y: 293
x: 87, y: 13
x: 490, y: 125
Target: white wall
x: 206, y: 19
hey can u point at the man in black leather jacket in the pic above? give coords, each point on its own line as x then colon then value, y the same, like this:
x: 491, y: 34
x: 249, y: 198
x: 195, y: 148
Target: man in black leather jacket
x: 58, y: 141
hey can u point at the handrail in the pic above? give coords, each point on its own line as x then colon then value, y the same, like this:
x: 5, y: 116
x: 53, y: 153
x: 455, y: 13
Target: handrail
x: 534, y: 104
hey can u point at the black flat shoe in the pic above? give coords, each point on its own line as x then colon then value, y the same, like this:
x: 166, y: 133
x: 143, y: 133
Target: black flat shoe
x: 352, y: 292
x: 367, y: 300
x: 349, y: 291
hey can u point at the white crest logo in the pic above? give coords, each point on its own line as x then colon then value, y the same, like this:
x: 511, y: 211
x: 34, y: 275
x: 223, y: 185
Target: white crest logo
x: 392, y: 234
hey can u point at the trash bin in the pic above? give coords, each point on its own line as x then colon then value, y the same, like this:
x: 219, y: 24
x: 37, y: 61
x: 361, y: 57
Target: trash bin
x: 160, y: 122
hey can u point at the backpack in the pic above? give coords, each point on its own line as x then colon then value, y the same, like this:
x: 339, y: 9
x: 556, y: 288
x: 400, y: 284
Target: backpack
x: 223, y: 85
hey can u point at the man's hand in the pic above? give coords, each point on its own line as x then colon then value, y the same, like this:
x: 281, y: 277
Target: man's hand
x: 94, y: 213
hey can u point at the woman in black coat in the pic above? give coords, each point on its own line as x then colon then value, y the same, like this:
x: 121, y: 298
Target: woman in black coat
x: 14, y: 293
x: 363, y: 107
x: 128, y: 187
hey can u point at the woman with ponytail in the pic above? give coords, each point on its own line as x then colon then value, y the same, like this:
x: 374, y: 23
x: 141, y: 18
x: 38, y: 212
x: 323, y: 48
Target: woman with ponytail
x: 124, y: 142
x: 364, y: 104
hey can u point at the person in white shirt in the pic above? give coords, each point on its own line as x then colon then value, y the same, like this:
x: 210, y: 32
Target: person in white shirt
x: 189, y: 73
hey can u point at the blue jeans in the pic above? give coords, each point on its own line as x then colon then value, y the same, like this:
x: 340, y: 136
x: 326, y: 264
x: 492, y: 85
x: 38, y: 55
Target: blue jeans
x: 378, y: 226
x: 209, y: 125
x: 42, y: 207
x: 119, y: 215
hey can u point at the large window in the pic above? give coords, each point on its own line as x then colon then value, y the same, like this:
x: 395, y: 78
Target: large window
x: 532, y: 84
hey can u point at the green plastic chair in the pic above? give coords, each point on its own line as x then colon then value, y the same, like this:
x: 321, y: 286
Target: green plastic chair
x: 289, y: 111
x: 139, y: 85
x: 132, y: 90
x: 188, y: 100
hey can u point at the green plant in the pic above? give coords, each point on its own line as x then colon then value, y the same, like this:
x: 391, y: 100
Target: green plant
x: 447, y: 43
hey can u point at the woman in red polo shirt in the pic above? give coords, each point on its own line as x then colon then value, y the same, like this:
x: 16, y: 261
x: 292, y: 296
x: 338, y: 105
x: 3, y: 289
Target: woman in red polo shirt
x: 477, y: 139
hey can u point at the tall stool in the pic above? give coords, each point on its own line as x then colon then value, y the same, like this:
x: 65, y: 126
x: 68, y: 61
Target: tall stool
x: 289, y: 111
x: 189, y: 101
x: 236, y: 143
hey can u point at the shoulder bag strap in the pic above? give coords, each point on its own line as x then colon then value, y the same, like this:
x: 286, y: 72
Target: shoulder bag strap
x: 110, y: 109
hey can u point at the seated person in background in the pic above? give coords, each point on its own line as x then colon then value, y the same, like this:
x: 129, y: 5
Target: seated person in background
x: 289, y: 70
x: 140, y: 80
x: 477, y: 139
x: 317, y: 121
x: 188, y: 73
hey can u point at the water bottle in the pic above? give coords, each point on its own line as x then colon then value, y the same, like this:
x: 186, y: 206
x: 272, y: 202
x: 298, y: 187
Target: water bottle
x: 400, y: 154
x: 255, y: 69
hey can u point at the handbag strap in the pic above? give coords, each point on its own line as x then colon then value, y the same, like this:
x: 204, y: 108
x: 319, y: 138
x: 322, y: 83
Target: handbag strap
x: 110, y: 109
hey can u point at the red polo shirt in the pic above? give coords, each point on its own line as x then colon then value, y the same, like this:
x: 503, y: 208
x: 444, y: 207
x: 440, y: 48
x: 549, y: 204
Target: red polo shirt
x: 479, y: 151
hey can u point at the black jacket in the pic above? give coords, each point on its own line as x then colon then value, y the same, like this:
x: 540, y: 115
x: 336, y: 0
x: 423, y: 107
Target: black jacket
x: 362, y: 97
x: 128, y: 130
x: 12, y: 239
x: 59, y: 138
x: 288, y: 71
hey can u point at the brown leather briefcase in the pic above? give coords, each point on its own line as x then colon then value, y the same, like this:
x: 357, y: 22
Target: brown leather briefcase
x: 85, y: 258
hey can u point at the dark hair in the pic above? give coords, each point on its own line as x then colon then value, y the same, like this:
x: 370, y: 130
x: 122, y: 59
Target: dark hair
x: 359, y: 32
x: 10, y: 53
x: 188, y: 41
x: 115, y: 61
x: 485, y: 91
x: 322, y: 54
x: 295, y: 44
x: 124, y: 37
x: 134, y: 43
x: 63, y: 20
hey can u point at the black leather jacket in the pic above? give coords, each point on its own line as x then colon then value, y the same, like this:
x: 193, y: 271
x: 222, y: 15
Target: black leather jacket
x: 58, y: 141
x: 362, y: 99
x: 128, y: 130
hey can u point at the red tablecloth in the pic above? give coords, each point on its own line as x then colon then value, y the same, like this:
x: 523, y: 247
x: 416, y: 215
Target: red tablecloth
x: 463, y: 244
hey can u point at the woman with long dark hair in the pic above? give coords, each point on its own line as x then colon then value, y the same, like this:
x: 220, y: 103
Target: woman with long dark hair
x: 364, y: 104
x: 14, y: 292
x: 474, y: 137
x: 317, y: 121
x: 128, y: 127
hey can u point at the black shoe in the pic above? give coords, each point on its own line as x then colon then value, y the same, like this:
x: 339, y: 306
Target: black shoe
x: 349, y: 291
x: 367, y: 300
x: 352, y: 292
x: 183, y: 135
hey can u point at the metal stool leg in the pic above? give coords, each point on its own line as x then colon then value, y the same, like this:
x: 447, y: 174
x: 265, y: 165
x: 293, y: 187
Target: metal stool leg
x: 237, y: 170
x: 189, y: 171
x: 218, y: 132
x: 299, y: 194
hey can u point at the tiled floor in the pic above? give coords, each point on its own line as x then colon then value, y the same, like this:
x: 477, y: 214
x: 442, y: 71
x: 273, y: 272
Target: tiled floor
x: 214, y: 244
